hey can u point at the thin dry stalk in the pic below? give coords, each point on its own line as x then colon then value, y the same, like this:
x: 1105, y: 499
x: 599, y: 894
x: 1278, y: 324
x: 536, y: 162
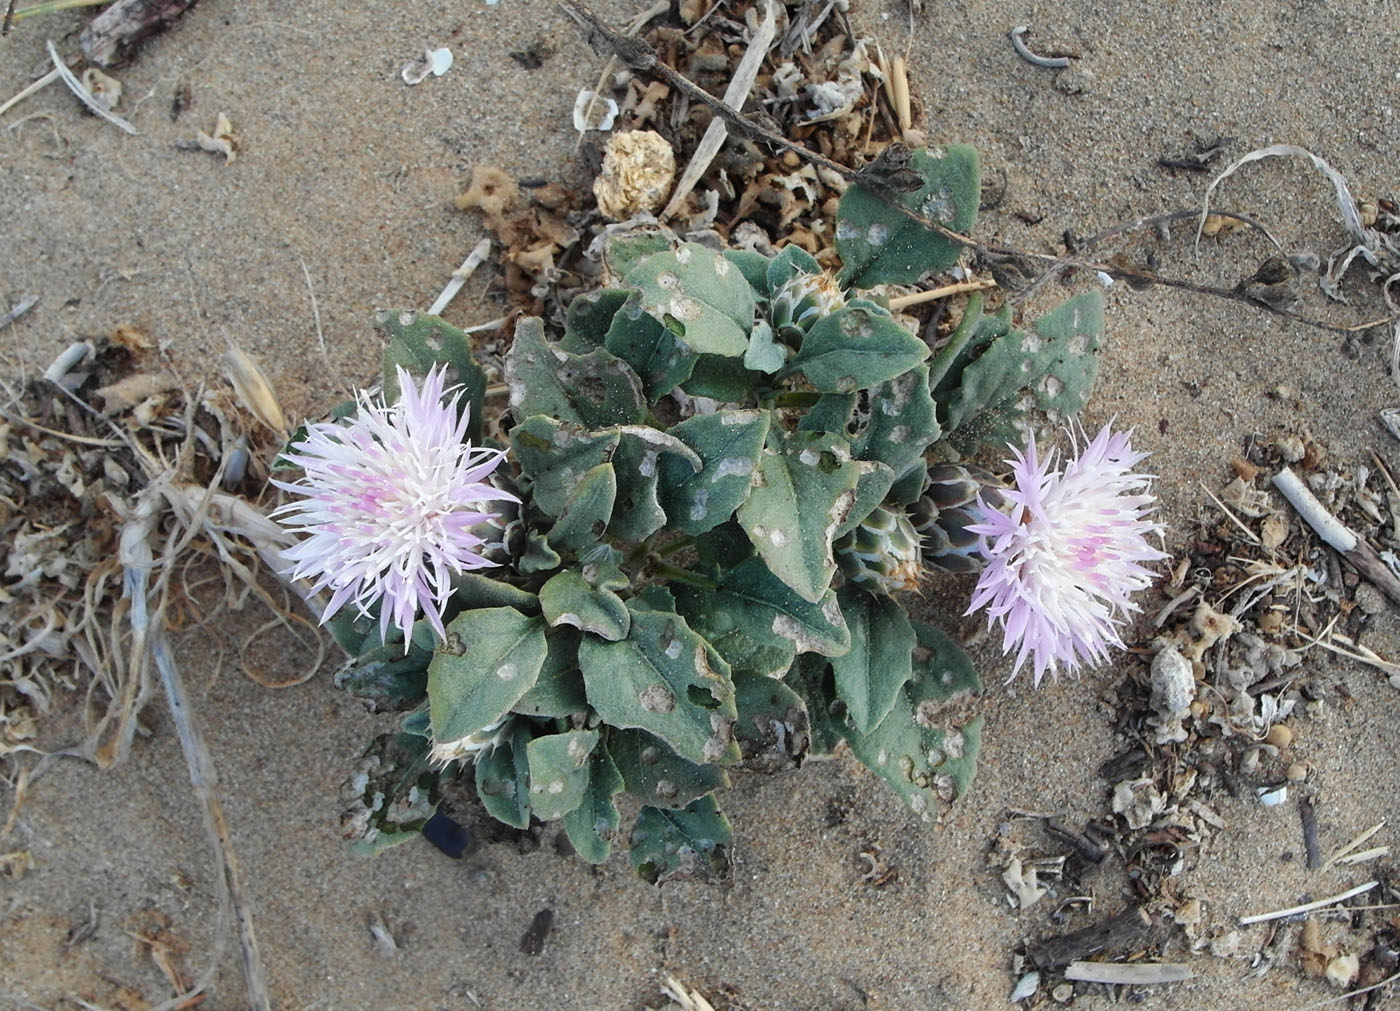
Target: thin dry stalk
x: 1307, y: 907
x: 919, y: 297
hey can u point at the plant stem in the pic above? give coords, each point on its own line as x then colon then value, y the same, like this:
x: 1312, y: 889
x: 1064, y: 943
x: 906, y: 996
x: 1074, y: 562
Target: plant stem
x: 680, y: 575
x: 54, y: 6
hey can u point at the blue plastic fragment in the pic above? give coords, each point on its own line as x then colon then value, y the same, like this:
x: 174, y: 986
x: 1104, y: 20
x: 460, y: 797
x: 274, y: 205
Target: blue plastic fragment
x: 448, y: 836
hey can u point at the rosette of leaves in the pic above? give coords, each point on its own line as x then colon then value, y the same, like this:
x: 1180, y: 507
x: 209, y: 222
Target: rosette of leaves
x: 698, y: 590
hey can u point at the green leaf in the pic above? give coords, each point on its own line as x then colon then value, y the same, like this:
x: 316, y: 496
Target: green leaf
x: 700, y: 296
x: 417, y: 342
x: 831, y: 413
x: 491, y: 658
x: 593, y: 390
x: 661, y: 359
x: 588, y: 318
x: 687, y: 843
x: 538, y: 556
x: 584, y: 518
x: 805, y: 487
x: 656, y: 774
x: 811, y: 678
x: 728, y: 444
x: 751, y: 601
x: 665, y: 679
x: 558, y: 691
x: 855, y: 348
x: 568, y: 600
x: 503, y: 778
x: 764, y: 354
x: 870, y: 675
x: 471, y: 590
x: 791, y: 261
x: 638, y: 513
x: 386, y: 679
x: 754, y: 267
x: 872, y: 486
x: 554, y: 455
x: 880, y: 245
x: 395, y: 793
x: 1056, y: 362
x: 559, y: 772
x: 901, y: 423
x: 723, y: 379
x: 592, y: 825
x: 772, y: 728
x: 623, y: 251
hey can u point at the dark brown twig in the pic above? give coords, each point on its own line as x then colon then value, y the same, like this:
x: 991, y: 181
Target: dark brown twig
x: 1118, y: 931
x: 9, y: 18
x: 112, y: 36
x: 1308, y: 816
x: 1085, y: 846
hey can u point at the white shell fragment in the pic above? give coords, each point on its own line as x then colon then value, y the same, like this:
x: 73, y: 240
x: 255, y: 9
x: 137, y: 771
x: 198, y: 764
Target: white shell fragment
x: 638, y: 167
x: 1026, y: 987
x: 1173, y: 690
x: 593, y: 112
x: 1272, y: 796
x: 434, y: 62
x: 105, y: 91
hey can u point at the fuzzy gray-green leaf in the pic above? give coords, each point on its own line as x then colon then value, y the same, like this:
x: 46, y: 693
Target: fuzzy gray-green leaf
x: 638, y: 513
x: 567, y: 599
x: 503, y: 779
x: 805, y: 488
x: 870, y: 675
x: 592, y: 825
x: 491, y: 658
x: 687, y: 843
x: 661, y: 359
x: 558, y: 691
x: 700, y: 296
x: 665, y: 679
x: 901, y: 424
x: 559, y: 772
x: 880, y: 245
x: 553, y: 455
x: 855, y: 348
x: 728, y: 443
x: 584, y: 518
x: 594, y: 390
x: 417, y: 342
x: 657, y: 775
x: 589, y: 317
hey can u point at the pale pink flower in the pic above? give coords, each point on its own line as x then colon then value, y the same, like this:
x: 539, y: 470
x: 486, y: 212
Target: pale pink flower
x: 395, y: 503
x: 1066, y: 553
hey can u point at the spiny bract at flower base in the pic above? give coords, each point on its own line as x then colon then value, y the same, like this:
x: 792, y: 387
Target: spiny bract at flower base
x: 716, y: 456
x: 393, y: 502
x: 1064, y: 558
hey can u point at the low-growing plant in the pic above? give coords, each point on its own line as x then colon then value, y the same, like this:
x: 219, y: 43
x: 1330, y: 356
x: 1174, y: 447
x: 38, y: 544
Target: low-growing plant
x: 689, y: 551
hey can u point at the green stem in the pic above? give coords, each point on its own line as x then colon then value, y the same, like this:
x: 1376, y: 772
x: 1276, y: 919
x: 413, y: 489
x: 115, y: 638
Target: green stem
x: 796, y: 398
x: 679, y: 575
x: 680, y: 544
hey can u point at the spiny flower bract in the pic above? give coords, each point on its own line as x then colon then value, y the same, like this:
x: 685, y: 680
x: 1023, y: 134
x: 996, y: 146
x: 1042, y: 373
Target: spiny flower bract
x: 1065, y: 553
x: 394, y: 502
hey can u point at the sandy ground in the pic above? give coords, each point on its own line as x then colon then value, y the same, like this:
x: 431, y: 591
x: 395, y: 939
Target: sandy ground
x: 348, y: 172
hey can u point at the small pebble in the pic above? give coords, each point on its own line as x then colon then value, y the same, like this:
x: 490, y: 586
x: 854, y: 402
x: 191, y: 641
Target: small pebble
x: 1063, y: 993
x: 1297, y: 772
x: 1279, y: 736
x: 1290, y: 447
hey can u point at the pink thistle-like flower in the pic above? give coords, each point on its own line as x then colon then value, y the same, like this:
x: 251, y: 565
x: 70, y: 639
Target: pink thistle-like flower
x: 1066, y: 553
x: 394, y: 503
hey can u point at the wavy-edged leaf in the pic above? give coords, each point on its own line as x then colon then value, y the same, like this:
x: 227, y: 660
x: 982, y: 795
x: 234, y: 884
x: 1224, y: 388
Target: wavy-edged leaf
x: 503, y: 778
x: 592, y: 826
x: 871, y: 673
x: 638, y: 513
x: 553, y: 455
x: 584, y: 518
x: 594, y: 390
x: 660, y: 358
x: 698, y: 295
x: 567, y: 599
x: 854, y: 348
x: 417, y: 342
x: 656, y: 774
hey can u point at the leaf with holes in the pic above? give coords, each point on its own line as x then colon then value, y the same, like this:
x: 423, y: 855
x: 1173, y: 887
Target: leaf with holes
x: 417, y: 342
x: 680, y: 844
x: 728, y: 444
x: 589, y: 317
x: 660, y: 358
x: 638, y: 513
x: 665, y: 679
x: 584, y: 518
x: 594, y: 390
x: 553, y: 455
x: 870, y: 675
x: 900, y: 425
x: 805, y: 487
x: 558, y: 766
x: 878, y: 243
x: 772, y: 728
x: 491, y: 658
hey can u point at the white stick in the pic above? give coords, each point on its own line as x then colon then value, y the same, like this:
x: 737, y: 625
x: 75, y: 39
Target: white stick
x: 76, y: 87
x: 1130, y: 973
x: 38, y: 85
x: 459, y: 276
x: 1307, y: 907
x: 1301, y: 498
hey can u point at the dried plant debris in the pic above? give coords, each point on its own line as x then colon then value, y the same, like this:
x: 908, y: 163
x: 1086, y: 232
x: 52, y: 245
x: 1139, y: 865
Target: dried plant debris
x: 77, y: 448
x: 814, y: 83
x: 1215, y: 720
